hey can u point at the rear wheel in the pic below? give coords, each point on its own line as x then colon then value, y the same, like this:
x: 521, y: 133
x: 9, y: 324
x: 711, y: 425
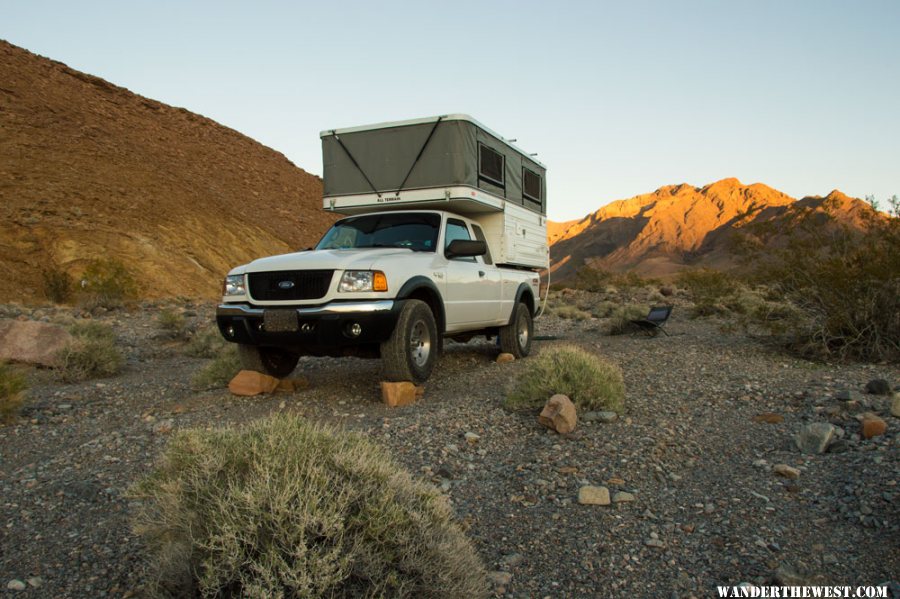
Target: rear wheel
x: 268, y: 360
x: 412, y: 350
x: 515, y: 338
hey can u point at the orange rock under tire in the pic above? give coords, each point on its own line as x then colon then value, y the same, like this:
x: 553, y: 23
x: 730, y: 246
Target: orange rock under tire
x: 412, y: 350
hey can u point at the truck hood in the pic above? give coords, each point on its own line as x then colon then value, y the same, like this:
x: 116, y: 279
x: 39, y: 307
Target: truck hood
x: 359, y: 259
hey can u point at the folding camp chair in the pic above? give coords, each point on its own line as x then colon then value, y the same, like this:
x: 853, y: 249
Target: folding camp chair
x: 653, y: 324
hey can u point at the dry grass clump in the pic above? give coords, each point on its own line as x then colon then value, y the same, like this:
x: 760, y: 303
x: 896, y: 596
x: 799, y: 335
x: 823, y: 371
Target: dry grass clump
x: 571, y: 312
x: 106, y: 284
x: 12, y: 393
x: 172, y: 323
x: 591, y: 382
x: 219, y: 371
x: 621, y: 317
x: 206, y: 342
x: 284, y: 508
x: 92, y: 353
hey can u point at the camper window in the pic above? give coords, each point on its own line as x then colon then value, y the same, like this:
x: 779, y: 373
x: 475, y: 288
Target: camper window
x: 490, y: 165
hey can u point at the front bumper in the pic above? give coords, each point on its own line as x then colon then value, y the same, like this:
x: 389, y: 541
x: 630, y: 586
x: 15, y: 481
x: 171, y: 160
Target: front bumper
x: 319, y: 329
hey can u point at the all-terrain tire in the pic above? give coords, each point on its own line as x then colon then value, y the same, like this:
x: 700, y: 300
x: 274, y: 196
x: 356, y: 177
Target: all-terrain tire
x: 515, y: 338
x: 412, y: 350
x: 268, y: 360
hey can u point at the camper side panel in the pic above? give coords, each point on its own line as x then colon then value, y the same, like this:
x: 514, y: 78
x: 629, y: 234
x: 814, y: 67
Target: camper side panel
x: 516, y: 236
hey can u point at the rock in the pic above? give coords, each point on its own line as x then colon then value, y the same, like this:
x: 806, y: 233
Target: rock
x: 16, y: 585
x: 35, y: 582
x: 499, y: 578
x: 398, y: 394
x: 472, y: 438
x: 31, y: 342
x: 895, y: 405
x: 814, y: 437
x: 849, y: 395
x: 559, y: 414
x: 512, y: 560
x: 873, y: 426
x: 622, y: 497
x: 786, y: 575
x: 769, y: 418
x: 505, y: 357
x: 293, y: 384
x: 248, y: 383
x: 591, y: 495
x: 603, y: 416
x: 786, y: 471
x: 878, y: 387
x: 655, y: 543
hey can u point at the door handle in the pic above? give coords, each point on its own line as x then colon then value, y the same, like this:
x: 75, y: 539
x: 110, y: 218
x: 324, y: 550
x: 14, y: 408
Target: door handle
x: 480, y: 273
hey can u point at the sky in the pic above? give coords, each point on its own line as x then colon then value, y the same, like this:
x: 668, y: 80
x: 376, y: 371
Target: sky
x: 616, y: 98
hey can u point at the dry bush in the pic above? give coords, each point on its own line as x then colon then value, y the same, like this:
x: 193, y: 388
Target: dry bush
x: 58, y: 285
x: 206, y: 342
x: 571, y: 313
x: 12, y: 393
x: 106, y: 284
x: 172, y: 323
x: 588, y: 380
x: 219, y: 371
x: 604, y: 309
x: 92, y: 353
x: 708, y: 288
x: 599, y: 280
x: 284, y: 508
x: 621, y: 317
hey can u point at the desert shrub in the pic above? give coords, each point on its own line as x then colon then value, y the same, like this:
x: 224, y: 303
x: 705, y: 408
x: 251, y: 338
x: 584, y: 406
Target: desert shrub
x: 107, y: 284
x: 571, y: 313
x: 599, y: 280
x: 285, y: 508
x: 12, y: 393
x: 220, y: 370
x: 621, y: 317
x: 604, y: 309
x: 92, y: 353
x: 588, y: 380
x: 842, y: 288
x: 708, y: 288
x: 58, y: 285
x: 172, y: 323
x: 206, y: 342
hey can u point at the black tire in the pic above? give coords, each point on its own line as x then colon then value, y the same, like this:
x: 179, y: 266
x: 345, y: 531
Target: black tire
x: 412, y: 350
x: 515, y: 338
x: 268, y: 360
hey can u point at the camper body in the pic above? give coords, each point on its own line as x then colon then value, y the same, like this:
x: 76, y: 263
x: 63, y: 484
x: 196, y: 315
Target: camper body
x: 444, y: 233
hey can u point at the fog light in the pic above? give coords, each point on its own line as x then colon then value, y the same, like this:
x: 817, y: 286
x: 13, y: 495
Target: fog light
x: 260, y: 326
x: 230, y: 331
x: 356, y: 329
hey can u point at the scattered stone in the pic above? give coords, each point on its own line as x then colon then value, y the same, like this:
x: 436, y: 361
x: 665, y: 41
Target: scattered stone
x: 760, y: 463
x: 559, y: 414
x: 815, y: 437
x: 895, y: 405
x: 31, y: 342
x: 512, y: 560
x: 615, y: 481
x: 873, y: 426
x: 398, y: 394
x: 505, y: 357
x: 878, y: 387
x: 655, y: 543
x: 849, y: 395
x: 602, y: 416
x: 16, y: 585
x: 591, y: 495
x: 35, y: 582
x: 293, y: 384
x: 769, y: 418
x: 622, y: 497
x: 499, y: 578
x: 786, y: 471
x: 248, y: 383
x: 472, y: 438
x: 786, y: 575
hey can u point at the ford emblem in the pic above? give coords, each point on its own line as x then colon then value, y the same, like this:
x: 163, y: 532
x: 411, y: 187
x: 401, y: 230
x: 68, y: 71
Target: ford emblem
x: 285, y: 284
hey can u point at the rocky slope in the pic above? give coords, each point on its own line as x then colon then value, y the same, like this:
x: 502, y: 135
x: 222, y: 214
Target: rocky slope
x: 90, y: 170
x: 676, y: 226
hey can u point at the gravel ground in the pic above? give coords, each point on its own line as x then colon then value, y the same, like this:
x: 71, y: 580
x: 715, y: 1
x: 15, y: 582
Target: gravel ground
x: 707, y: 509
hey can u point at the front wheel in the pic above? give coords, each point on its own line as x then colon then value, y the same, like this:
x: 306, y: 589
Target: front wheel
x: 412, y: 350
x: 268, y: 360
x: 515, y: 338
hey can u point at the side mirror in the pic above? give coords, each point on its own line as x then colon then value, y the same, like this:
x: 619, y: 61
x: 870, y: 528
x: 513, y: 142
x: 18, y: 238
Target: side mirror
x: 465, y: 248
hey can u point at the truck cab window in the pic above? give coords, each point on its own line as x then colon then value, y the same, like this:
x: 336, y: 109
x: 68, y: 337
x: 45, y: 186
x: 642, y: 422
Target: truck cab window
x: 456, y: 229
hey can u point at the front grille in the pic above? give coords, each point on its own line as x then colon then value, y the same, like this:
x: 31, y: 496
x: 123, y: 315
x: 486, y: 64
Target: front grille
x: 273, y: 286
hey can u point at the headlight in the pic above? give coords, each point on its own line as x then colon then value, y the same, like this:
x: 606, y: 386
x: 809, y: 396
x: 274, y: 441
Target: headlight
x: 234, y: 285
x: 363, y: 280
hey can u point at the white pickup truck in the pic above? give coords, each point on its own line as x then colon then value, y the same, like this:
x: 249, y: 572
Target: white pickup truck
x: 402, y: 273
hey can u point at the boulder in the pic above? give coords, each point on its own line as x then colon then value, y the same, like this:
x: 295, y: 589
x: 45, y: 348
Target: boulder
x: 559, y: 414
x: 814, y: 437
x: 249, y: 382
x: 878, y: 387
x: 505, y: 357
x: 873, y: 426
x: 591, y: 495
x: 399, y: 394
x: 31, y: 342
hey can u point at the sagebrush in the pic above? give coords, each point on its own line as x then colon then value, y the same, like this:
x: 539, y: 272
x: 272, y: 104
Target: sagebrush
x: 284, y: 508
x: 106, y: 283
x: 621, y: 317
x: 590, y: 381
x: 12, y: 393
x: 92, y: 353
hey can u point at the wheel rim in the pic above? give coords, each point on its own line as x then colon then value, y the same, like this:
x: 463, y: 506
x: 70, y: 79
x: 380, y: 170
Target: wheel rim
x: 523, y: 331
x: 420, y: 343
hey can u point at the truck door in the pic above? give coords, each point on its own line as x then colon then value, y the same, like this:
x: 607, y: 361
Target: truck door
x: 469, y: 301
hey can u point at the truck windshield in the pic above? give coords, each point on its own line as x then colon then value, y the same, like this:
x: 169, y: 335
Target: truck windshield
x: 414, y: 231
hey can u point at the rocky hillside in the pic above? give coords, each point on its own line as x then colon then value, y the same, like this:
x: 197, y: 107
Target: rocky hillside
x: 660, y: 233
x: 91, y: 170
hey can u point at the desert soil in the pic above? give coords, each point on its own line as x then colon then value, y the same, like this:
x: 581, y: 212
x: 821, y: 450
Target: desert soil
x: 708, y: 510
